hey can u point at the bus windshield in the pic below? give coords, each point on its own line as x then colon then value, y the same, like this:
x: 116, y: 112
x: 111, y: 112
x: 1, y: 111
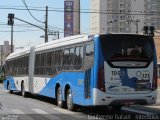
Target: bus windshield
x: 127, y: 48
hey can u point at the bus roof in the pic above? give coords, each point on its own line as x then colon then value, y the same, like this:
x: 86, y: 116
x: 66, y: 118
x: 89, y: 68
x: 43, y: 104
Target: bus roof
x: 59, y: 43
x: 62, y: 42
x: 19, y: 53
x: 52, y: 44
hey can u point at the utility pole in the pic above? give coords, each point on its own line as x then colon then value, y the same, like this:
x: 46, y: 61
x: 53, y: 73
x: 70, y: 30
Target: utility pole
x: 136, y: 23
x: 11, y: 23
x: 46, y: 25
x: 11, y: 38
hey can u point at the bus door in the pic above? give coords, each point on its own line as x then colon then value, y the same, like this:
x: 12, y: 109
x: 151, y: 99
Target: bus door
x: 88, y: 66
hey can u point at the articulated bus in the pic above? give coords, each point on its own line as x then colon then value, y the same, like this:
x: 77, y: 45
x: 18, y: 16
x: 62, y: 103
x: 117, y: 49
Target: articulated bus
x: 87, y: 70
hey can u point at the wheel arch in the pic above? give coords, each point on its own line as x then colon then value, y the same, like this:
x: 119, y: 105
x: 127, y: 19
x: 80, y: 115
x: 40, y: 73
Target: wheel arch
x: 67, y: 87
x: 56, y: 88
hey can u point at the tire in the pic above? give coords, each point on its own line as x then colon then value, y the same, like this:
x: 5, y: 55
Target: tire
x: 23, y: 90
x: 117, y: 107
x: 9, y: 88
x: 59, y: 98
x: 70, y: 105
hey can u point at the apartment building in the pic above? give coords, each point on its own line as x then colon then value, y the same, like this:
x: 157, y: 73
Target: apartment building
x: 127, y: 16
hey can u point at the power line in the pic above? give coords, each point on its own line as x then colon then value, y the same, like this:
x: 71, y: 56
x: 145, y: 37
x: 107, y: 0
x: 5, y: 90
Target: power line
x: 21, y: 31
x: 29, y: 26
x: 20, y: 9
x: 20, y: 6
x: 62, y: 9
x: 30, y: 12
x: 96, y: 12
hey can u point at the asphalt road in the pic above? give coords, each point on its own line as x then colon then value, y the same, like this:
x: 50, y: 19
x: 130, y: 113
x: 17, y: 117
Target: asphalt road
x: 16, y: 107
x: 33, y: 108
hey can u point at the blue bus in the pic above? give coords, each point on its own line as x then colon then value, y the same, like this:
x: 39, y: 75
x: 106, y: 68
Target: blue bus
x: 87, y: 70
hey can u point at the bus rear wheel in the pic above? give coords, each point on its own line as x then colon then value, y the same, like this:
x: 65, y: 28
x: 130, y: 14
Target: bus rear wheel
x: 23, y: 90
x: 70, y: 105
x: 59, y: 98
x: 117, y: 107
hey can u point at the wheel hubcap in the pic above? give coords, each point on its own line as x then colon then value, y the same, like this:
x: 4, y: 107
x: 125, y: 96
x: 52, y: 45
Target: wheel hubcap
x: 59, y: 98
x: 69, y: 100
x: 23, y: 92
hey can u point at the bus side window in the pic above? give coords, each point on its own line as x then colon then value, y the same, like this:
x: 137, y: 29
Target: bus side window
x: 71, y: 58
x: 43, y: 59
x: 89, y: 56
x: 66, y: 59
x: 36, y: 64
x: 58, y: 60
x: 53, y: 71
x: 48, y: 64
x: 78, y: 61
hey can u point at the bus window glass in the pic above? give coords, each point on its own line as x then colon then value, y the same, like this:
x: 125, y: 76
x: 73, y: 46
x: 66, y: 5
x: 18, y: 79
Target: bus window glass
x: 48, y: 69
x: 37, y: 60
x: 71, y: 58
x: 89, y: 54
x: 52, y: 63
x: 78, y: 58
x: 48, y: 58
x: 127, y: 48
x: 66, y: 59
x: 58, y: 55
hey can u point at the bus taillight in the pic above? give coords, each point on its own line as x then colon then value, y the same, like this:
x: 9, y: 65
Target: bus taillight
x: 101, y: 80
x: 154, y: 82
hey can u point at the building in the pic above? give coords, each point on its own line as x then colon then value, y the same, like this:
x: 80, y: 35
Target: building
x: 157, y: 41
x: 71, y: 17
x: 127, y: 16
x: 5, y: 51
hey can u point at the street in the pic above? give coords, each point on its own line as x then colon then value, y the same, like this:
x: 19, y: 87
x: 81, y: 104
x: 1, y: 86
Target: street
x: 14, y: 106
x: 33, y: 108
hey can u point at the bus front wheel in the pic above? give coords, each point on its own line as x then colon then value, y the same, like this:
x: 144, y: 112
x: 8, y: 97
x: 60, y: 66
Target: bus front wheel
x: 70, y: 104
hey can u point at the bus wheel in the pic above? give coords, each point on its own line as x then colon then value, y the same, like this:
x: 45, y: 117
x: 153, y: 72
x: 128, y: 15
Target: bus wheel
x: 70, y: 104
x: 9, y: 88
x: 59, y: 98
x: 23, y: 90
x: 117, y: 107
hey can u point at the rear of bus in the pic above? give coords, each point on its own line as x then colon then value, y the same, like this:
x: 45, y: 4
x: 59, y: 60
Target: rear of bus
x: 126, y: 70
